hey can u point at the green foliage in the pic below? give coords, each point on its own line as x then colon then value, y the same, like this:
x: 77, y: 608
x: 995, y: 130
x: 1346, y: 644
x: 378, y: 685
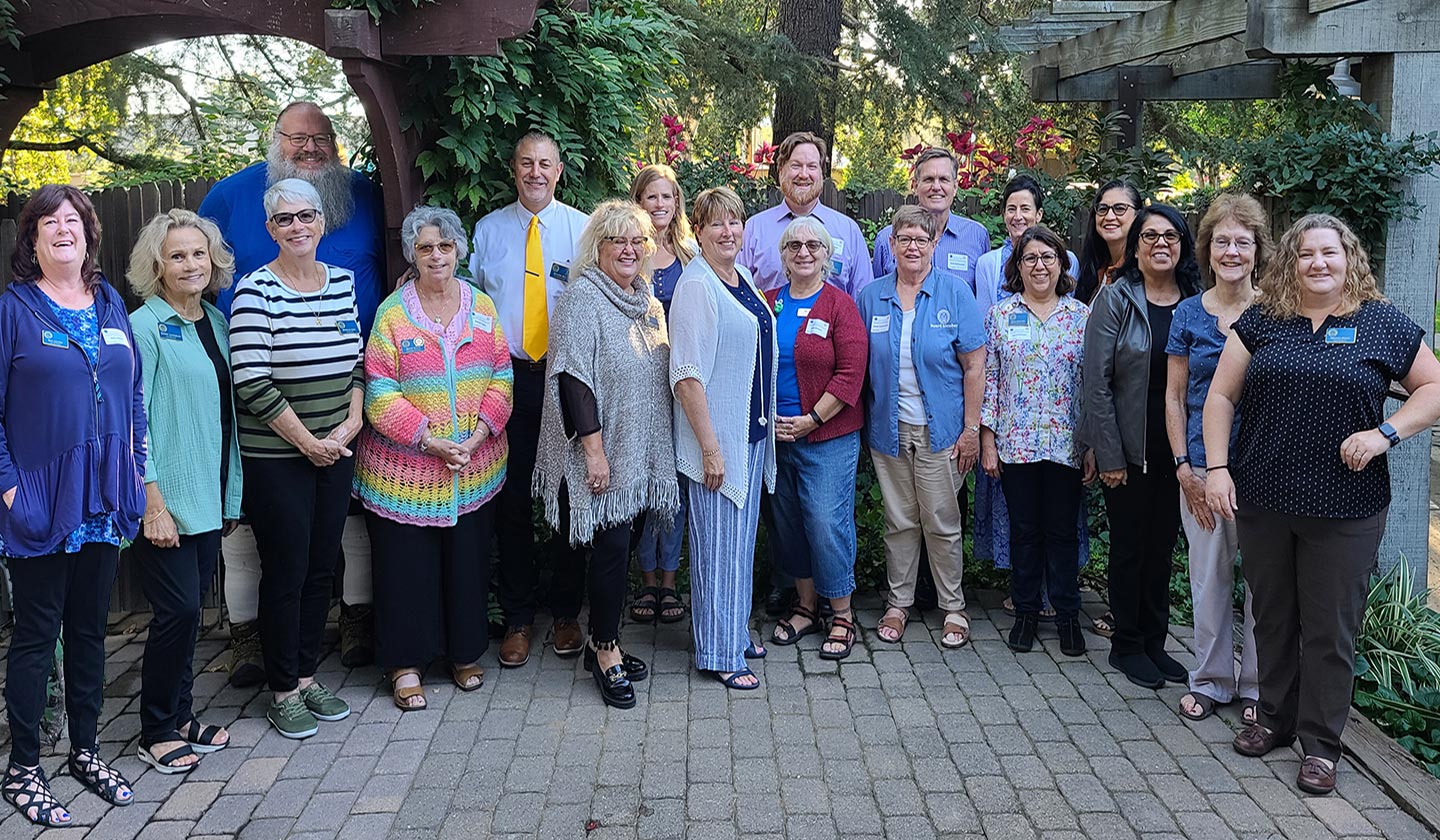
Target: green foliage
x: 1397, y: 666
x: 594, y: 82
x: 1149, y: 166
x: 725, y: 169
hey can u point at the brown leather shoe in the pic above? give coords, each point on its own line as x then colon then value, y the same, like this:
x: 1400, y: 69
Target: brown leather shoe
x: 515, y: 650
x: 567, y: 637
x: 1256, y: 740
x: 1316, y: 776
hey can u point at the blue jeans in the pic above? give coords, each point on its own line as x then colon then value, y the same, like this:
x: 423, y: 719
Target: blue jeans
x: 660, y: 549
x: 815, y: 511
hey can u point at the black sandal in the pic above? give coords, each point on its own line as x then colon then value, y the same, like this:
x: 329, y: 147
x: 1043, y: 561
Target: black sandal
x: 205, y: 741
x: 791, y: 634
x: 1204, y: 706
x: 646, y: 605
x: 28, y: 791
x: 672, y: 609
x: 165, y: 764
x: 846, y: 626
x: 102, y: 780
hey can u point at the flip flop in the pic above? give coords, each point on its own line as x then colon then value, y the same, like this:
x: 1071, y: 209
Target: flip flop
x: 1249, y: 711
x: 754, y: 651
x: 732, y: 681
x: 1205, y: 706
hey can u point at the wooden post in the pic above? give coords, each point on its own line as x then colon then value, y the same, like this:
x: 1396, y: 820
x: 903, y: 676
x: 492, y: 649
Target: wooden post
x: 1395, y: 84
x: 1129, y: 103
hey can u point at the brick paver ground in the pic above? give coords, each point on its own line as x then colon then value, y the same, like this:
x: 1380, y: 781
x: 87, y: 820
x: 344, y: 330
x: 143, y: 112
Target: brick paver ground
x: 900, y: 741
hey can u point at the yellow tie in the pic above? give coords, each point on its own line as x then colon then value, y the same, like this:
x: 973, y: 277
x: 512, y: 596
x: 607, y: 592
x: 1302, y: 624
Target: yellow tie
x: 537, y: 310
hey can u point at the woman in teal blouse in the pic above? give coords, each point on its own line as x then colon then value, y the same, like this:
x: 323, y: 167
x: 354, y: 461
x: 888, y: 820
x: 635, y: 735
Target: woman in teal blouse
x: 192, y: 477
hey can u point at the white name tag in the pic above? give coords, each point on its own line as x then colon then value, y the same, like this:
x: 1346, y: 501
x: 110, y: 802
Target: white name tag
x: 802, y: 313
x: 958, y: 262
x: 482, y: 322
x: 880, y: 323
x: 114, y: 336
x: 838, y: 246
x: 815, y: 326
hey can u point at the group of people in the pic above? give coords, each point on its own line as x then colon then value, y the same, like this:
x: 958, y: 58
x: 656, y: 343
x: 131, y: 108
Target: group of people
x: 659, y: 367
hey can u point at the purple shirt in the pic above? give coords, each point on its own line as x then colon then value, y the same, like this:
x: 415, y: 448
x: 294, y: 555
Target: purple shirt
x: 849, y: 260
x: 958, y: 251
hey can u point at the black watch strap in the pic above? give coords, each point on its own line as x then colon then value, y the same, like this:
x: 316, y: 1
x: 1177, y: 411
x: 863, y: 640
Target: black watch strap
x: 1182, y: 459
x: 1389, y: 432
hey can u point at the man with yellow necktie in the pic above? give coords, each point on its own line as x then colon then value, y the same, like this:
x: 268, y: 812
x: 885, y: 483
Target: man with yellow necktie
x: 522, y: 260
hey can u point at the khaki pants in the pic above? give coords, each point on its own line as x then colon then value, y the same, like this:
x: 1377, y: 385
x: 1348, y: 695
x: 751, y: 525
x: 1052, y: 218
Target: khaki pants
x: 920, y: 490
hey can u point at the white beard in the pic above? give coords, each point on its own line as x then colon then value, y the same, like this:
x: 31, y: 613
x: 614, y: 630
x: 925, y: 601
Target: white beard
x: 332, y: 182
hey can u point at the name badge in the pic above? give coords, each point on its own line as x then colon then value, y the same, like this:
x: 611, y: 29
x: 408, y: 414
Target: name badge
x: 560, y: 272
x: 879, y: 323
x: 653, y: 321
x: 802, y: 313
x: 348, y: 327
x: 1017, y: 326
x: 172, y: 332
x: 1340, y: 335
x: 481, y: 321
x: 412, y: 345
x: 815, y: 326
x: 836, y: 266
x: 54, y: 338
x: 111, y: 335
x: 958, y: 262
x: 837, y: 246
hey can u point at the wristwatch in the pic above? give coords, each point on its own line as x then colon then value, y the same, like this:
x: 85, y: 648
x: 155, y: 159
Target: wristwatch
x: 975, y: 429
x: 1181, y: 459
x: 1389, y: 432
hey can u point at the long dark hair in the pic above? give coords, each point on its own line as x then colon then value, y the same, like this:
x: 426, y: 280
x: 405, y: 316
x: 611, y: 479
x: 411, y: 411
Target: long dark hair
x: 45, y: 202
x: 1187, y: 270
x: 1094, y: 251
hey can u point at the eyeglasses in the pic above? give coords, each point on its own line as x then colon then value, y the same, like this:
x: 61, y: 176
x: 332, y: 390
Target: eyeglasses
x: 1152, y: 236
x: 1047, y: 259
x: 285, y: 220
x: 428, y: 248
x: 906, y: 242
x: 814, y: 246
x: 636, y: 242
x: 324, y: 140
x: 1120, y: 210
x: 1223, y: 243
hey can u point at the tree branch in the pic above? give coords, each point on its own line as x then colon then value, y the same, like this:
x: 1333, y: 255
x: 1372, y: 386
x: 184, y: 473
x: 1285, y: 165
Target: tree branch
x: 75, y: 144
x: 173, y: 79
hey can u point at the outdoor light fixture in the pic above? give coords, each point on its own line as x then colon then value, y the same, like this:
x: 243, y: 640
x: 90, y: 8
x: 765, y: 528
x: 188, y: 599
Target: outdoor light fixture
x: 1344, y: 83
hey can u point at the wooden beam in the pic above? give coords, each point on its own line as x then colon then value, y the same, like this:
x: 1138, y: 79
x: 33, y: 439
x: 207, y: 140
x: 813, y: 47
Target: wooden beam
x: 1227, y: 52
x: 1287, y: 28
x: 1416, y: 791
x: 1318, y: 6
x: 1086, y: 7
x: 1159, y: 83
x: 1178, y: 25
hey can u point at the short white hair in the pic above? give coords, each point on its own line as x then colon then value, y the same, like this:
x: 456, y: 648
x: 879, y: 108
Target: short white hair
x: 813, y: 225
x: 294, y: 191
x: 428, y: 215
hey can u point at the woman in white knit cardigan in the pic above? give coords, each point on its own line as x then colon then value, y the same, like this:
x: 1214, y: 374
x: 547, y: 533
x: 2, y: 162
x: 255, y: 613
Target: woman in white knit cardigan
x: 722, y: 369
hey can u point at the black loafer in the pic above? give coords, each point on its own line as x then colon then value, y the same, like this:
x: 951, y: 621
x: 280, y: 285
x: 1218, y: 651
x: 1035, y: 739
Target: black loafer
x: 615, y: 688
x: 635, y: 668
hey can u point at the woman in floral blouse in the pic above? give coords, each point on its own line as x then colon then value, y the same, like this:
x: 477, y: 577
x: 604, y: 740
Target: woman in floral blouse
x: 1034, y: 346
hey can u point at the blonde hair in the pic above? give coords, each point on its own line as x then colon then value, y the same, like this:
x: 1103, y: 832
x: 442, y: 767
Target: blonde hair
x: 716, y: 203
x: 678, y: 235
x: 613, y: 217
x: 1280, y: 284
x: 1245, y: 211
x: 149, y: 252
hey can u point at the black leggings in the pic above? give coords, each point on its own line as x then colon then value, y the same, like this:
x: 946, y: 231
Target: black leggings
x: 69, y: 590
x: 609, y: 550
x: 175, y: 581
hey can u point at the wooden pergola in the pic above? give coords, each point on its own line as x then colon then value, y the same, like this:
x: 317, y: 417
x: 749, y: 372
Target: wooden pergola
x: 1130, y: 51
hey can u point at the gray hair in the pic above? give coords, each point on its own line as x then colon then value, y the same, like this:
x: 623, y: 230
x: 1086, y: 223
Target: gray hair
x: 293, y: 190
x: 428, y: 215
x: 813, y: 225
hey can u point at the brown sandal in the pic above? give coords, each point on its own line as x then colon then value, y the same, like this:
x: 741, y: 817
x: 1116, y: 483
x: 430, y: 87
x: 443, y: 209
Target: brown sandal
x: 888, y: 621
x: 403, y: 695
x: 956, y: 624
x: 465, y: 673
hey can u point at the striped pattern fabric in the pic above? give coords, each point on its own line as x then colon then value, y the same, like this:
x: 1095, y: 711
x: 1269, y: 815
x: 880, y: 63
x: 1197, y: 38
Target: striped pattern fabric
x: 416, y: 381
x: 722, y: 554
x: 292, y: 349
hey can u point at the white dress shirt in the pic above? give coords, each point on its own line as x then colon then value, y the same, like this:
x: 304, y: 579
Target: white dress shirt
x: 497, y: 260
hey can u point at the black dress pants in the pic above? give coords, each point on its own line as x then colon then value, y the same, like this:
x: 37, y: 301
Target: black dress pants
x: 175, y: 581
x: 51, y: 591
x: 1044, y: 502
x: 1309, y: 579
x: 1144, y: 525
x: 297, y: 511
x: 431, y: 587
x: 609, y: 550
x: 514, y: 515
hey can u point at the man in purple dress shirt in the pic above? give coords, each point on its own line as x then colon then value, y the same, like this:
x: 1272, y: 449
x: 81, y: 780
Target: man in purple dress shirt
x: 962, y: 241
x: 800, y: 164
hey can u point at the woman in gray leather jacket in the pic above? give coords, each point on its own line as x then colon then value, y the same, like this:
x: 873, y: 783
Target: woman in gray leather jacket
x: 1123, y: 422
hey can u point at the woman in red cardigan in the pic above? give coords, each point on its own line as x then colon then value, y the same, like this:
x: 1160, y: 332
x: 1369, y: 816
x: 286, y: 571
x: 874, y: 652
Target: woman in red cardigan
x: 817, y: 436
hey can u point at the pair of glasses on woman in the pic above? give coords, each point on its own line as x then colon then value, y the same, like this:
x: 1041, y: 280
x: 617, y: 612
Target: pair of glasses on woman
x: 1152, y: 236
x: 426, y: 249
x: 1120, y: 210
x: 285, y: 220
x: 814, y: 246
x: 636, y: 242
x: 1047, y: 259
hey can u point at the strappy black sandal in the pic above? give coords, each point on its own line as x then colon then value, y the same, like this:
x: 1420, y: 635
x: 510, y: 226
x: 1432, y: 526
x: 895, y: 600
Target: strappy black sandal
x: 842, y: 633
x: 672, y: 609
x: 787, y: 625
x: 646, y: 605
x: 201, y: 737
x: 102, y: 780
x: 28, y: 791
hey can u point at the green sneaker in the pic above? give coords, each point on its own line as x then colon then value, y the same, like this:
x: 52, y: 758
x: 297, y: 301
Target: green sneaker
x: 291, y: 719
x: 323, y: 704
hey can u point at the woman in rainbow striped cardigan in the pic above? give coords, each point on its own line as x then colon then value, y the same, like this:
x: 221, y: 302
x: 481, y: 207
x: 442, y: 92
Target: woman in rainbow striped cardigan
x: 437, y: 395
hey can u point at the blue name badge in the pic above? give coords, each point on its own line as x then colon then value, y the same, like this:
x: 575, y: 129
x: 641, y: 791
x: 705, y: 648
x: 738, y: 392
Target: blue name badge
x: 1340, y: 335
x: 1017, y: 326
x: 560, y: 272
x: 54, y: 338
x: 412, y: 345
x: 654, y: 322
x: 348, y: 327
x: 172, y: 332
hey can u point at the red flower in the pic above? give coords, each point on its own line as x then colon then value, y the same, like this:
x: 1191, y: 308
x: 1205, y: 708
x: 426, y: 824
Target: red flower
x: 765, y: 153
x: 680, y: 146
x: 964, y: 143
x: 912, y: 152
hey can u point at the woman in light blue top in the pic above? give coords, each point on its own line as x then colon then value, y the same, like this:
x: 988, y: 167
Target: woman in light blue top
x: 192, y: 477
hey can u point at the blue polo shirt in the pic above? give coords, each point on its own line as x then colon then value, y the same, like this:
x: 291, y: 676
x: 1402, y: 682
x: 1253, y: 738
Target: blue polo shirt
x: 235, y: 204
x: 947, y: 324
x: 958, y: 251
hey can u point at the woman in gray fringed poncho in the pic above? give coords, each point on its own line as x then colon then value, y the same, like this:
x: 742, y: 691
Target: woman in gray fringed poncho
x: 606, y: 453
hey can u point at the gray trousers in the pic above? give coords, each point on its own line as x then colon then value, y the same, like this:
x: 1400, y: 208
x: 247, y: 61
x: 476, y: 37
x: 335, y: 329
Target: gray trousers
x: 1212, y: 586
x: 1309, y: 578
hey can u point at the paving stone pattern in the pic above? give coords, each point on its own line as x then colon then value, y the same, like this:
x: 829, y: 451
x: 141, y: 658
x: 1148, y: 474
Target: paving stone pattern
x: 900, y: 741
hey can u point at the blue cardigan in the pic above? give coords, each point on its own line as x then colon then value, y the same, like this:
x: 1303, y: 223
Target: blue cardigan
x: 71, y: 454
